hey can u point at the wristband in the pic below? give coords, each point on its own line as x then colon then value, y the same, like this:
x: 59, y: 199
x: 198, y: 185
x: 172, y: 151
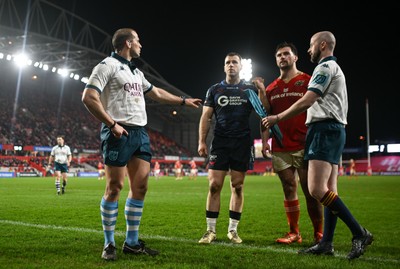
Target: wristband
x: 183, y: 100
x: 113, y: 125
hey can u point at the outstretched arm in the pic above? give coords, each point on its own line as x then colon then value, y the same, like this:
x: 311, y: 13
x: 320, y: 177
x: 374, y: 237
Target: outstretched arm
x: 162, y: 96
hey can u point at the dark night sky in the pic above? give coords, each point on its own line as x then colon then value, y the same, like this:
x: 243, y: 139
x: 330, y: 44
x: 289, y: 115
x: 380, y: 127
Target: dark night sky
x: 187, y: 44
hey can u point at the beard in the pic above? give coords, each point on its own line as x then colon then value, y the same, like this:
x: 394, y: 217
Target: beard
x: 316, y: 56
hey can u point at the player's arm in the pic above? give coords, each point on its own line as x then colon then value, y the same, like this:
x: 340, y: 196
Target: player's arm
x: 204, y: 127
x: 69, y: 159
x: 300, y: 106
x: 91, y: 100
x: 265, y: 134
x: 162, y: 96
x: 259, y: 83
x: 50, y: 160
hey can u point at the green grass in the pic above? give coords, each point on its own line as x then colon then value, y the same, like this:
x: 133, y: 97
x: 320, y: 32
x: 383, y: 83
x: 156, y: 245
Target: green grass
x: 42, y: 230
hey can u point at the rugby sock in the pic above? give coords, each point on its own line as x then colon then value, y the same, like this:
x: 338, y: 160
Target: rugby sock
x: 58, y: 185
x: 234, y: 218
x: 330, y: 221
x: 338, y: 208
x: 211, y: 219
x: 292, y: 209
x: 133, y: 215
x: 64, y: 184
x: 109, y: 214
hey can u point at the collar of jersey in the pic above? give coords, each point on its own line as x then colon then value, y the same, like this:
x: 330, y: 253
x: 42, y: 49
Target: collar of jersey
x: 329, y: 58
x: 123, y: 60
x: 226, y: 83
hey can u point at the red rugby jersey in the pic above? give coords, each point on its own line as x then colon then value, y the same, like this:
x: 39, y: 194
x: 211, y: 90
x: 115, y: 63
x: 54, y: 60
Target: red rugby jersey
x: 281, y: 96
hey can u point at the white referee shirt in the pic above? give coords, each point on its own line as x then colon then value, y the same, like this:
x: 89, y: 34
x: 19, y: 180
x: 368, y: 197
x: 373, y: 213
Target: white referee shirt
x: 329, y: 82
x: 121, y: 90
x: 60, y: 154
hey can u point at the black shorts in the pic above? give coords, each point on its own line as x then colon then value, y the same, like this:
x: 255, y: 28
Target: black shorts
x: 227, y: 153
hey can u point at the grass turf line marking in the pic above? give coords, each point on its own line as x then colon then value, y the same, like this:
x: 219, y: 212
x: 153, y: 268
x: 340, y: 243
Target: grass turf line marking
x: 165, y: 238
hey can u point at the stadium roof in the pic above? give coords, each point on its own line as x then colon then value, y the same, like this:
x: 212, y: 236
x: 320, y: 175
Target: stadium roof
x: 56, y: 37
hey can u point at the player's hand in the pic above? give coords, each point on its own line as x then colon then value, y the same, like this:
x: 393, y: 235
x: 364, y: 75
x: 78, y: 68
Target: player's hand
x: 259, y: 83
x: 266, y: 150
x: 269, y: 121
x: 193, y: 102
x: 118, y: 131
x: 202, y: 150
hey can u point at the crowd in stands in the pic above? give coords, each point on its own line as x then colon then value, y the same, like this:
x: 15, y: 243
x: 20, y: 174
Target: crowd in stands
x: 36, y: 116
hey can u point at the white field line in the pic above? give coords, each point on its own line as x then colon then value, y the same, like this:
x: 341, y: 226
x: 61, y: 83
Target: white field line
x: 184, y: 240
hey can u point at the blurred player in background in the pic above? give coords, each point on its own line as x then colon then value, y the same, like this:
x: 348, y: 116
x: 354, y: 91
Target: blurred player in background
x: 157, y: 170
x: 288, y: 162
x: 193, y: 170
x: 100, y: 170
x: 61, y: 155
x: 353, y: 171
x: 178, y: 170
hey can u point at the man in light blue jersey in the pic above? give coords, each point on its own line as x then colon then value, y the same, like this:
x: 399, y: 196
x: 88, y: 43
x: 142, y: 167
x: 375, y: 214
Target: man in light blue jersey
x: 327, y: 106
x: 115, y: 95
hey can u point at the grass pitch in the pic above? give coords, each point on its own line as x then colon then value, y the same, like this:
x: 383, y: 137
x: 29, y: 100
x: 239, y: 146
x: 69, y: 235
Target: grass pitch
x: 42, y: 230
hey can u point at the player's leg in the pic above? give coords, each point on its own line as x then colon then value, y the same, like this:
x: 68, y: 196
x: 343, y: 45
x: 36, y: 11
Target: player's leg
x: 138, y: 169
x: 285, y: 166
x: 115, y: 176
x: 235, y: 205
x: 314, y: 207
x: 57, y: 174
x: 216, y: 182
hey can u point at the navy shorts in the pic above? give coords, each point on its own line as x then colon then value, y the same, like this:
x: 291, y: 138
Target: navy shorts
x: 325, y: 141
x: 62, y: 167
x: 118, y: 151
x: 231, y: 153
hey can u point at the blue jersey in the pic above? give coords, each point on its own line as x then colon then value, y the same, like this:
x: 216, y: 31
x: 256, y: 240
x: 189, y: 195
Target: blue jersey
x: 232, y: 108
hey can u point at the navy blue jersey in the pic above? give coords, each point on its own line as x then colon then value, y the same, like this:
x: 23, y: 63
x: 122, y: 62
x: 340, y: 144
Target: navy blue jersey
x: 232, y: 108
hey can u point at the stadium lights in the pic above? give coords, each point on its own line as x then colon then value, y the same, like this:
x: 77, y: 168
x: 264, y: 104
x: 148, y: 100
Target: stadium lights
x: 23, y: 60
x: 247, y: 69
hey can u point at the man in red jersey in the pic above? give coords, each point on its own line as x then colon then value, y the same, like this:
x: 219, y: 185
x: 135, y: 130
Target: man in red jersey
x: 178, y: 170
x: 193, y: 170
x: 288, y: 161
x: 100, y: 169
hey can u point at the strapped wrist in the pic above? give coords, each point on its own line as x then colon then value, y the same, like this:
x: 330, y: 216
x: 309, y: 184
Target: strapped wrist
x: 113, y: 125
x: 183, y: 100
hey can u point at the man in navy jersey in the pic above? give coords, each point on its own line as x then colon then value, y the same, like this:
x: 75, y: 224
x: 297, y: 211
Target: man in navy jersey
x: 327, y: 106
x: 231, y: 147
x: 115, y: 95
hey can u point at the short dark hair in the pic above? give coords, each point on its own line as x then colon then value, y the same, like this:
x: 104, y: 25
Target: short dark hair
x: 120, y: 36
x: 230, y: 54
x: 286, y: 44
